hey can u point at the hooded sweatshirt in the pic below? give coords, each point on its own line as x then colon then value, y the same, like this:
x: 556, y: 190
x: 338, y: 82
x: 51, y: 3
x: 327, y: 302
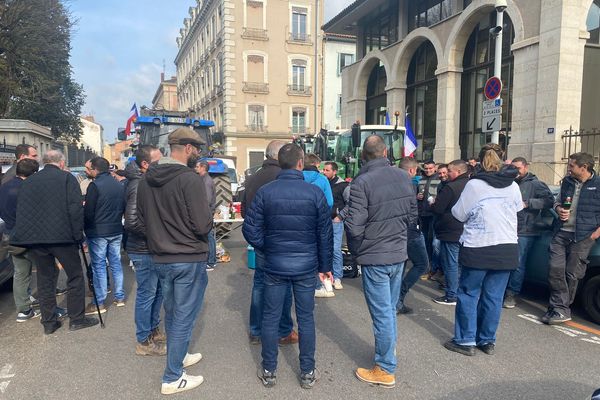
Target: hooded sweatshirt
x: 314, y: 177
x: 488, y: 208
x: 174, y: 211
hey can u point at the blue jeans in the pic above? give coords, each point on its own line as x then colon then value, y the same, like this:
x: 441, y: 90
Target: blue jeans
x: 276, y: 288
x: 479, y: 305
x: 286, y: 324
x: 417, y: 254
x: 183, y: 286
x: 148, y: 298
x: 102, y: 248
x: 449, y: 257
x: 338, y: 258
x: 435, y: 255
x: 381, y: 284
x: 212, y: 248
x: 515, y: 282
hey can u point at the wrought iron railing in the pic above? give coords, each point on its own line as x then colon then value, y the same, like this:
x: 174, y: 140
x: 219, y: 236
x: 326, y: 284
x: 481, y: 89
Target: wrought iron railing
x: 587, y: 141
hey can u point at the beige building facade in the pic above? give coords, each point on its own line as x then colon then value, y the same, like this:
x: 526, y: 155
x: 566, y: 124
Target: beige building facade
x: 165, y: 97
x: 249, y: 65
x: 16, y: 131
x: 431, y: 59
x: 92, y: 134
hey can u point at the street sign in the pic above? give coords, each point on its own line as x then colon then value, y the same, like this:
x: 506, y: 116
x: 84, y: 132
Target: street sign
x: 491, y: 107
x: 491, y: 123
x: 492, y: 88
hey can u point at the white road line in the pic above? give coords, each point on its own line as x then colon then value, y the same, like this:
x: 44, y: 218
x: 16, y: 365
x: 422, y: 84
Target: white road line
x: 531, y: 317
x: 5, y: 372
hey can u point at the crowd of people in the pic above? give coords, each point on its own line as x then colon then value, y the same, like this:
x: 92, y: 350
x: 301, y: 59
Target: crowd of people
x: 467, y: 224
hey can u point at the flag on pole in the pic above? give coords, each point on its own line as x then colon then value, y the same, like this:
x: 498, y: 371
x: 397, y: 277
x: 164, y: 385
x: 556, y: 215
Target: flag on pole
x: 410, y: 141
x: 133, y: 114
x: 387, y: 118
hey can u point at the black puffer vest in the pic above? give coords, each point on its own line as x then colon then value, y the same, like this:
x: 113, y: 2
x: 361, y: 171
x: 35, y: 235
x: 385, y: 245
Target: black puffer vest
x: 588, y: 207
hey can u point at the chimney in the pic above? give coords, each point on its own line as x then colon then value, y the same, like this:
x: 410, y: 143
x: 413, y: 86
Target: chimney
x: 162, y: 76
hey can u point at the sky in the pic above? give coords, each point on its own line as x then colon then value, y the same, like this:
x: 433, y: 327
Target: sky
x: 118, y: 50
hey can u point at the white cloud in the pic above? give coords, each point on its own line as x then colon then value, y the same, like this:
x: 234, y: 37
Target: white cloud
x: 333, y: 7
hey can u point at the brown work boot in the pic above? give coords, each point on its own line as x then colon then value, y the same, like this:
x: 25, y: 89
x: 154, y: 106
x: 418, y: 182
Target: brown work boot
x: 91, y: 309
x: 150, y: 348
x: 157, y: 336
x: 376, y: 376
x: 289, y: 339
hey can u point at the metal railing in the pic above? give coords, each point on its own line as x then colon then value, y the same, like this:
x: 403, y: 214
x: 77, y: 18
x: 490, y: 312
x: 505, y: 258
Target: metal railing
x: 255, y: 87
x: 256, y: 128
x: 298, y: 129
x: 299, y: 37
x: 299, y: 90
x: 582, y: 141
x: 253, y: 33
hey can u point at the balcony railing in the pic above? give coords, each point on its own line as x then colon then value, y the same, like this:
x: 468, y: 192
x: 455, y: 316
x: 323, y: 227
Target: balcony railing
x: 299, y: 90
x: 255, y: 87
x: 256, y: 128
x: 256, y: 34
x: 297, y: 37
x: 298, y: 129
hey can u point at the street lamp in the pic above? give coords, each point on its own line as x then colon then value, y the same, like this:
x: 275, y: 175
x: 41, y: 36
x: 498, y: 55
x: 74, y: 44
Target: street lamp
x: 496, y: 31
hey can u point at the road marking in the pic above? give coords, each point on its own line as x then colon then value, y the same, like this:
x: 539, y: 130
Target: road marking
x: 531, y: 317
x: 3, y: 386
x: 5, y: 374
x: 582, y: 327
x: 593, y: 339
x: 568, y: 331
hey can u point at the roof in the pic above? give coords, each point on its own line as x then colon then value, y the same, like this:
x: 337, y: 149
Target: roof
x: 346, y: 21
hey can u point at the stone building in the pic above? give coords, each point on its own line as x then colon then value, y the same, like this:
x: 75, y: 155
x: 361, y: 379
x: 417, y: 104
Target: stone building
x: 92, y: 134
x: 16, y: 131
x: 432, y: 58
x: 165, y: 97
x: 249, y: 66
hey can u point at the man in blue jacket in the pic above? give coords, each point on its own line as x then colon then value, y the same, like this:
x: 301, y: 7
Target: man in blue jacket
x: 290, y: 222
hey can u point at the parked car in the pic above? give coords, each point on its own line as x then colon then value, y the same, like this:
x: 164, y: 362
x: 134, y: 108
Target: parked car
x: 588, y: 291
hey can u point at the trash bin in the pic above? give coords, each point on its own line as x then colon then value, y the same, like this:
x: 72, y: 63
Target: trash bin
x: 251, y: 257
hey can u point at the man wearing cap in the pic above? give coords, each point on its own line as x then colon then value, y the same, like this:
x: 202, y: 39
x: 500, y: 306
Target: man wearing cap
x: 176, y: 217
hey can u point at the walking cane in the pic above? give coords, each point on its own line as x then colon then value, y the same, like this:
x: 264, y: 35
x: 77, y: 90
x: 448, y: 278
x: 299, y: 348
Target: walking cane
x: 90, y: 275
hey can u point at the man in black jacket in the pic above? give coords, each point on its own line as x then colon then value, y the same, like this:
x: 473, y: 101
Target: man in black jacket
x: 50, y: 223
x: 536, y: 198
x: 427, y: 188
x: 103, y: 214
x: 173, y: 211
x: 202, y: 170
x: 268, y: 173
x: 22, y: 151
x: 448, y: 229
x: 338, y: 185
x: 148, y: 298
x: 381, y: 207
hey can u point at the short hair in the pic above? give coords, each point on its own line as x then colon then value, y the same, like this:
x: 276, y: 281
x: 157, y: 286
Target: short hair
x: 522, y: 160
x: 100, y: 164
x: 442, y: 165
x: 53, y: 157
x: 429, y: 162
x: 582, y: 159
x: 491, y: 157
x: 407, y: 163
x: 273, y: 148
x: 22, y: 150
x: 27, y: 167
x: 461, y: 165
x: 332, y: 164
x: 144, y: 153
x: 311, y: 159
x: 203, y: 164
x: 373, y: 147
x: 289, y: 155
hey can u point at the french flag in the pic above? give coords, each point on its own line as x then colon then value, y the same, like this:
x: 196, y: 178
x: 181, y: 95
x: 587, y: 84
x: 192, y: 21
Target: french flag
x: 410, y: 141
x: 133, y: 114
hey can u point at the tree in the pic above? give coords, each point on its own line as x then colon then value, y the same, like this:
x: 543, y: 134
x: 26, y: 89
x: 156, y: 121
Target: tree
x: 35, y: 73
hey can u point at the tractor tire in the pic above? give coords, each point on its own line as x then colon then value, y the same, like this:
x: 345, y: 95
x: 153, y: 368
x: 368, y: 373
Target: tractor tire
x: 224, y: 197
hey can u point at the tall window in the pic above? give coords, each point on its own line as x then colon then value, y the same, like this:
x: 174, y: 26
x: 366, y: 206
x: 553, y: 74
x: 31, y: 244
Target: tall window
x: 299, y: 17
x: 344, y: 60
x: 298, y: 75
x: 376, y: 106
x: 256, y: 117
x: 380, y: 27
x: 593, y: 23
x: 298, y: 120
x: 338, y: 108
x: 429, y: 12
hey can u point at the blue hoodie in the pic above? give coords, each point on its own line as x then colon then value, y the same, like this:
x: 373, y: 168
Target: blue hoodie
x: 312, y: 176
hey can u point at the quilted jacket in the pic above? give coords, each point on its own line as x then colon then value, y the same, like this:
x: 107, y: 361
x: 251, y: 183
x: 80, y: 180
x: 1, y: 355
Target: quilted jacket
x: 49, y: 209
x: 290, y: 222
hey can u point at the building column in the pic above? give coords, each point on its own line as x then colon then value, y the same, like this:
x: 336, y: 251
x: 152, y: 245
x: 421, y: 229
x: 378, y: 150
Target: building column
x: 447, y: 125
x: 396, y: 101
x: 354, y: 107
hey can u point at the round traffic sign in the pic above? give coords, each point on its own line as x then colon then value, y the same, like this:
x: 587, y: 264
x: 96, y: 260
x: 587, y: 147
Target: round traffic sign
x: 493, y: 88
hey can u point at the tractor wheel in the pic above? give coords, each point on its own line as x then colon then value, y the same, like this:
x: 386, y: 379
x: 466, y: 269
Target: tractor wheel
x: 224, y: 197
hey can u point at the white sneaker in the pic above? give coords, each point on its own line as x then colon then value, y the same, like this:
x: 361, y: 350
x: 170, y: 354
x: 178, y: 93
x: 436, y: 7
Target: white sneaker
x: 337, y: 284
x: 322, y: 292
x: 186, y: 382
x: 191, y: 359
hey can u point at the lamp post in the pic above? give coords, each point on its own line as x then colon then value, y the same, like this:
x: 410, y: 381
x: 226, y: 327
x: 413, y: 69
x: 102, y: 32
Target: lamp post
x: 497, y: 33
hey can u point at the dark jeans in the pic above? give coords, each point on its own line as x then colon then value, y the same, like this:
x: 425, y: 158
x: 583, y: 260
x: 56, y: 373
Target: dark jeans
x: 276, y: 288
x: 148, y: 296
x: 417, y: 254
x: 479, y: 305
x: 568, y: 263
x: 515, y: 283
x: 183, y: 286
x: 47, y: 275
x: 286, y: 324
x: 212, y: 248
x: 426, y: 226
x: 449, y: 256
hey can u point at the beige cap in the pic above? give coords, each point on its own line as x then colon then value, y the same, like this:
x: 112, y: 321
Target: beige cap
x: 185, y: 136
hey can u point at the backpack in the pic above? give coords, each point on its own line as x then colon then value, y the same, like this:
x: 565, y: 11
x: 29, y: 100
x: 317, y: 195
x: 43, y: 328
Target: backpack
x: 350, y: 267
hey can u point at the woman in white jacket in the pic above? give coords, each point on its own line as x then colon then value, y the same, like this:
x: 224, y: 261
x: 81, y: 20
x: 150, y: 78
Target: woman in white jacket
x: 488, y: 208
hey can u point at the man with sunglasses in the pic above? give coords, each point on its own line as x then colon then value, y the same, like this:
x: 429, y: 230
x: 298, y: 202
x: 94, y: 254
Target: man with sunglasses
x: 174, y: 211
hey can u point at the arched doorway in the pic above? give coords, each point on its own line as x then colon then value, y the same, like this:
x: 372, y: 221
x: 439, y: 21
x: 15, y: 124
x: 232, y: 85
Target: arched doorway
x: 478, y: 66
x: 421, y: 98
x: 590, y: 94
x: 376, y: 106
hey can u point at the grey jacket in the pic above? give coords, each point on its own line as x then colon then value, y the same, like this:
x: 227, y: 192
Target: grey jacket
x: 538, y: 197
x: 382, y: 204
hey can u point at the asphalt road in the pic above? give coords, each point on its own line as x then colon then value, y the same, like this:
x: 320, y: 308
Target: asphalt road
x: 533, y: 361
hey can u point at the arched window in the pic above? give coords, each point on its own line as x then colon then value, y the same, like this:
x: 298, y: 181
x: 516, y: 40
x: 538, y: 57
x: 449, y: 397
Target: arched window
x: 376, y: 96
x: 593, y: 22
